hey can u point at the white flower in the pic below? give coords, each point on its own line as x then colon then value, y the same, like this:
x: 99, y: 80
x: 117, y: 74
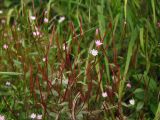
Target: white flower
x: 65, y: 47
x: 2, y: 117
x: 61, y: 19
x: 18, y: 29
x: 98, y: 43
x: 5, y: 46
x: 104, y: 94
x: 94, y: 52
x: 132, y: 101
x: 128, y: 85
x: 46, y: 20
x: 32, y: 17
x: 37, y: 33
x: 33, y: 116
x: 1, y: 11
x: 8, y: 83
x: 39, y: 117
x: 44, y: 59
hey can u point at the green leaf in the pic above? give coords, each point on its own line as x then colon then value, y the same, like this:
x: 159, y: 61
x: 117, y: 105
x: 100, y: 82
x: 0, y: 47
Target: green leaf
x: 139, y: 105
x: 141, y: 38
x: 139, y: 93
x: 10, y: 73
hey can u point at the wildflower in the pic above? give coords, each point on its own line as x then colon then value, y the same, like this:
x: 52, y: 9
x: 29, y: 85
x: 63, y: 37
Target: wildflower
x: 94, y: 52
x: 33, y: 116
x: 5, y: 46
x: 18, y: 29
x: 61, y: 19
x: 104, y: 94
x: 44, y: 59
x: 2, y: 117
x: 1, y: 11
x: 37, y: 33
x: 98, y: 43
x: 128, y: 85
x: 32, y: 17
x: 97, y: 31
x: 65, y: 47
x: 46, y: 20
x: 39, y: 117
x: 8, y: 83
x: 132, y: 101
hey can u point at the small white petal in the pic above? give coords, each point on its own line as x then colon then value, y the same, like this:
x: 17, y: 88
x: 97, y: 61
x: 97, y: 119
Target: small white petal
x: 104, y: 94
x: 44, y: 59
x: 2, y: 117
x: 94, y: 52
x: 8, y: 83
x: 37, y: 33
x: 33, y: 115
x: 132, y: 101
x: 39, y: 117
x: 1, y: 11
x: 65, y: 47
x: 5, y: 46
x: 61, y: 19
x: 45, y: 20
x: 128, y: 85
x: 32, y: 17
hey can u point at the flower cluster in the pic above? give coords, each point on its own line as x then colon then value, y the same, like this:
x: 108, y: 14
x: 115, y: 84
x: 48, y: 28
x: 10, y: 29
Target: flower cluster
x: 94, y: 52
x: 34, y: 116
x: 2, y: 117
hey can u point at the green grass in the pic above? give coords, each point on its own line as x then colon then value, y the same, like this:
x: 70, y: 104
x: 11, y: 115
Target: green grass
x: 64, y: 84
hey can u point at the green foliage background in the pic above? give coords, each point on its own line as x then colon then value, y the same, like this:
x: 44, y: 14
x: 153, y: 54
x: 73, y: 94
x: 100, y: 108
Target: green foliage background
x: 134, y: 27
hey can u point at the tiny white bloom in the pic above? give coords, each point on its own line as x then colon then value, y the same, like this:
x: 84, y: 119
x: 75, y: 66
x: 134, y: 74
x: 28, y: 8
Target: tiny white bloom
x: 132, y: 101
x: 65, y: 81
x: 39, y: 117
x: 1, y: 11
x: 98, y: 43
x: 2, y: 117
x: 44, y: 59
x: 18, y: 29
x: 37, y: 33
x: 65, y: 47
x: 94, y: 52
x: 104, y: 94
x: 128, y: 85
x: 61, y: 19
x: 46, y: 20
x: 33, y: 116
x: 8, y: 83
x: 32, y: 17
x: 5, y: 46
